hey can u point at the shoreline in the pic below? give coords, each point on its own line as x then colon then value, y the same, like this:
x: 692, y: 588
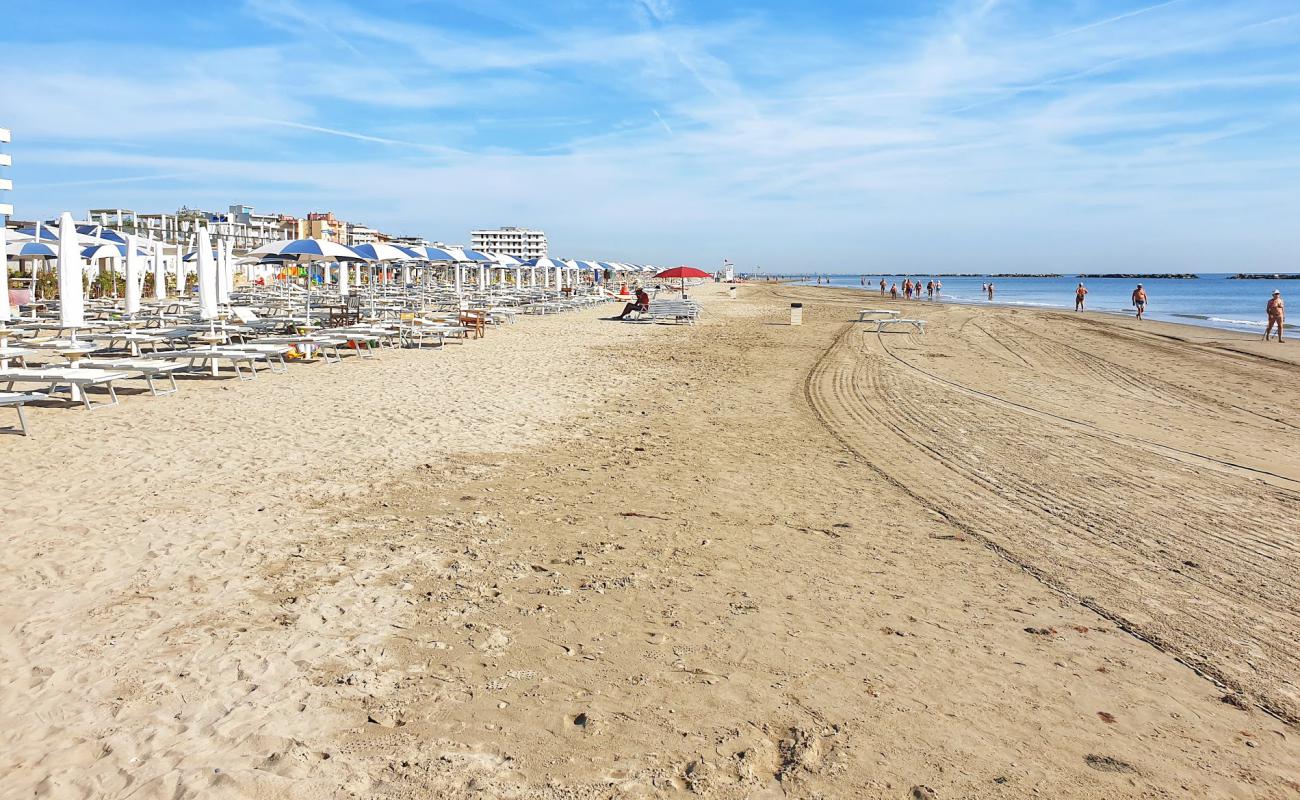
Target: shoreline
x: 1066, y: 309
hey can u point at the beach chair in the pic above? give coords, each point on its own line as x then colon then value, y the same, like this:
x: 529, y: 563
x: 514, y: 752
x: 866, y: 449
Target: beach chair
x: 473, y: 320
x: 874, y: 313
x: 18, y: 400
x: 918, y: 324
x: 147, y: 368
x: 76, y: 381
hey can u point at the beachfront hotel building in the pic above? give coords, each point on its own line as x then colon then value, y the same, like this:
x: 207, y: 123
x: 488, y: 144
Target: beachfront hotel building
x: 6, y: 185
x: 522, y: 243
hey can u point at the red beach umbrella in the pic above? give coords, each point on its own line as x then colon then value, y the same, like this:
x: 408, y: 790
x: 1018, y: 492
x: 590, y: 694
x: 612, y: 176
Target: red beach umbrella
x: 683, y: 273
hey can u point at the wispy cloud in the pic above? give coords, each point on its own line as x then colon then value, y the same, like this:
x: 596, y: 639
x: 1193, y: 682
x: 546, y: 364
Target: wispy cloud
x: 984, y: 132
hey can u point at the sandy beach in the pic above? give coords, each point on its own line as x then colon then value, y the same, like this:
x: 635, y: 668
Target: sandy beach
x: 1029, y: 554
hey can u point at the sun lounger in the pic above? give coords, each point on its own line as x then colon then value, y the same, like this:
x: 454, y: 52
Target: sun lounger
x: 76, y: 380
x: 147, y: 368
x: 875, y: 312
x: 18, y: 400
x: 918, y: 324
x: 328, y: 345
x: 214, y: 356
x: 687, y: 311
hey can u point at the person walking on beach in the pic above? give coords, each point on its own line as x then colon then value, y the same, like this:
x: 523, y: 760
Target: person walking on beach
x: 893, y: 291
x: 929, y: 289
x: 882, y: 287
x: 1079, y: 294
x: 938, y: 289
x: 1276, y: 311
x: 1140, y: 300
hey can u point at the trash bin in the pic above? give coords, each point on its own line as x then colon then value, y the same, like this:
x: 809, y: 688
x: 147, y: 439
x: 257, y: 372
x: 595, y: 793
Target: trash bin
x: 733, y: 291
x: 796, y: 313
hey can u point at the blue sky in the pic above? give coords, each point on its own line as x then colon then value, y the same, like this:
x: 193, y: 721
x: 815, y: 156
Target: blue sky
x: 977, y: 134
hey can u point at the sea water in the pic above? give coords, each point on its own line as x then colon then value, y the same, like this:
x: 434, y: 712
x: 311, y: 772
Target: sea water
x: 1211, y: 300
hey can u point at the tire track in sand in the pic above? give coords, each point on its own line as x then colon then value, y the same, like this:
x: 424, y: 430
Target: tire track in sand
x: 1193, y: 558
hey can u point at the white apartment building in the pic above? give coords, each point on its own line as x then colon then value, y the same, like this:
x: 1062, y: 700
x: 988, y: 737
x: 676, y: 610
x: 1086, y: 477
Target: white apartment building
x: 241, y: 223
x: 6, y: 208
x: 410, y: 241
x: 360, y: 234
x: 522, y: 243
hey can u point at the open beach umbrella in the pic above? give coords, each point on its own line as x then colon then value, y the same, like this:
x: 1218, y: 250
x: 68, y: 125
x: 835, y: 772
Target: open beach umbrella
x: 207, y: 276
x: 437, y: 254
x: 306, y: 250
x: 72, y: 303
x: 683, y: 273
x: 379, y: 251
x: 101, y: 233
x: 97, y: 251
x: 31, y: 249
x: 41, y: 233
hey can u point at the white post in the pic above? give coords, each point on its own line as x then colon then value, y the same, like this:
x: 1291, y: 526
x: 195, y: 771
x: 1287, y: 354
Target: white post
x: 343, y: 278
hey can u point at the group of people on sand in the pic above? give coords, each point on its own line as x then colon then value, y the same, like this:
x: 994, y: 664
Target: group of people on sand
x: 912, y: 289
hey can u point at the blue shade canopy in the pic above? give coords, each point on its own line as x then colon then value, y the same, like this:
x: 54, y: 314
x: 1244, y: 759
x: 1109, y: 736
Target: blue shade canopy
x: 474, y: 255
x: 412, y: 253
x: 193, y: 256
x: 100, y: 232
x: 31, y: 250
x: 307, y: 250
x: 543, y: 263
x: 47, y: 233
x: 437, y: 254
x: 380, y: 251
x: 97, y: 251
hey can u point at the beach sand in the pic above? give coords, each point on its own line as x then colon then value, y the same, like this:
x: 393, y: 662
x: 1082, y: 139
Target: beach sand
x: 1028, y: 554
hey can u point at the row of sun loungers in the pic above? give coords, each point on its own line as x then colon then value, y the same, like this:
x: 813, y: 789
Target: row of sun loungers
x: 268, y: 331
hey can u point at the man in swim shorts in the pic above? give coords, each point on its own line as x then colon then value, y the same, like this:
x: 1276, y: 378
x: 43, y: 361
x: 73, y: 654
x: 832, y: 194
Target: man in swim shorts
x: 1140, y: 300
x: 1276, y: 311
x: 1079, y: 294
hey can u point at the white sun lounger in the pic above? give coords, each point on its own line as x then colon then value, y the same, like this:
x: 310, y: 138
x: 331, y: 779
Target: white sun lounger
x: 214, y: 356
x: 147, y: 368
x: 75, y: 379
x: 874, y: 312
x: 18, y: 400
x: 918, y: 324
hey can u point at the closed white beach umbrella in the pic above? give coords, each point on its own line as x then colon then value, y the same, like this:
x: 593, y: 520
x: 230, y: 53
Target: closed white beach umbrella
x: 159, y: 271
x: 207, y: 276
x: 72, y: 304
x: 227, y: 250
x: 4, y: 278
x: 134, y: 275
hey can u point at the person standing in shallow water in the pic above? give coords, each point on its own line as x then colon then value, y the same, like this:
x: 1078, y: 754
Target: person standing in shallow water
x: 1079, y: 294
x: 1276, y: 311
x: 882, y: 287
x: 1140, y: 300
x: 990, y: 290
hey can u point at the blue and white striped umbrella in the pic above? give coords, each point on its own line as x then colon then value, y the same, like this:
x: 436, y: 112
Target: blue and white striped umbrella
x: 544, y: 263
x: 412, y: 253
x: 46, y: 233
x: 439, y: 254
x: 32, y: 249
x: 307, y: 250
x: 474, y: 255
x: 98, y: 251
x: 193, y: 256
x: 379, y: 251
x: 102, y: 233
x: 505, y: 260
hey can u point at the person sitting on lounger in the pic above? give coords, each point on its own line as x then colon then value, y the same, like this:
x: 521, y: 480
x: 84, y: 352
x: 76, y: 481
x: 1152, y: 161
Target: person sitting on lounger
x: 642, y: 304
